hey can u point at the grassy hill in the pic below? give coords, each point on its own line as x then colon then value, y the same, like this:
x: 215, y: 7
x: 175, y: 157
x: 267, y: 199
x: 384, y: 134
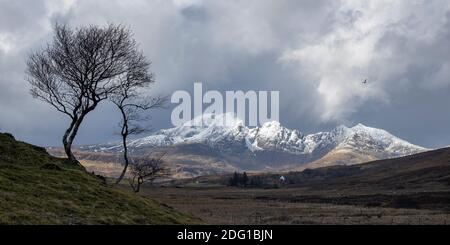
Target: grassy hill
x: 36, y: 188
x: 423, y: 171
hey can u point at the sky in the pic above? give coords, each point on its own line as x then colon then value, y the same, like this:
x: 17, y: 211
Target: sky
x: 315, y: 52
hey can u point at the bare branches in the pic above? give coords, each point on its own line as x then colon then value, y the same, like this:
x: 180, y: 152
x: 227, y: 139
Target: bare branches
x: 146, y: 169
x: 133, y: 106
x: 82, y: 67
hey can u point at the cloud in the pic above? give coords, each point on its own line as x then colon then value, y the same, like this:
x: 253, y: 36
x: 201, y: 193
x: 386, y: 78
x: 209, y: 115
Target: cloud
x: 375, y: 40
x: 315, y: 52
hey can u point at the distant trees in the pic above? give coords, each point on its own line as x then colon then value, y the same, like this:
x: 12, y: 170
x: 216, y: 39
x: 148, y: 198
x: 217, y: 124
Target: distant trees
x: 84, y: 66
x: 238, y: 179
x: 244, y: 179
x: 234, y: 181
x: 257, y: 180
x: 146, y: 169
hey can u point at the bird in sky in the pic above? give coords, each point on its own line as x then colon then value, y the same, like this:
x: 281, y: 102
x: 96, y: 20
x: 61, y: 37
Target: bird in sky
x: 365, y: 81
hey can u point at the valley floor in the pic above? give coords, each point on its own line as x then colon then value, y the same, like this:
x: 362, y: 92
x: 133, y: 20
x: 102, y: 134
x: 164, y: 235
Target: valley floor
x: 226, y: 205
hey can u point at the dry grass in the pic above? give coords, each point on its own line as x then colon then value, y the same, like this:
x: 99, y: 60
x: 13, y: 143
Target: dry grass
x: 107, y: 169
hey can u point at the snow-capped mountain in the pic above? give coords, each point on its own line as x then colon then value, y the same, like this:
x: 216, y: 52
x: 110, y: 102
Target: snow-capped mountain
x: 271, y: 146
x: 270, y: 136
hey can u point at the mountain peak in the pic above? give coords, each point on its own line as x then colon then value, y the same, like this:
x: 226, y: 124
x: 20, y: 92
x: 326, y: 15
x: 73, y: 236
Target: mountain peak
x: 360, y: 125
x: 272, y: 124
x: 271, y: 128
x: 368, y: 139
x: 374, y: 132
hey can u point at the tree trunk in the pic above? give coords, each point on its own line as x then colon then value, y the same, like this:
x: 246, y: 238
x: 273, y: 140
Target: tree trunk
x: 125, y: 156
x: 68, y: 150
x: 132, y: 184
x: 124, y: 132
x: 69, y: 136
x: 138, y: 187
x: 67, y: 143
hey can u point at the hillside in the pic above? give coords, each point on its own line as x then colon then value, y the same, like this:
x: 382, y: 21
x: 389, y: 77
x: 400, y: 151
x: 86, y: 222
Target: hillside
x: 36, y: 188
x: 427, y: 171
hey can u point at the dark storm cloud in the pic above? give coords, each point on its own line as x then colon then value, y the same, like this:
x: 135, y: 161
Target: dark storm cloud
x: 314, y: 52
x: 195, y: 13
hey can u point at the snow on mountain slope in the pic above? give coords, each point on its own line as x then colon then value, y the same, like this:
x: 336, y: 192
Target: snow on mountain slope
x: 273, y: 136
x: 225, y: 133
x: 367, y: 139
x: 214, y: 129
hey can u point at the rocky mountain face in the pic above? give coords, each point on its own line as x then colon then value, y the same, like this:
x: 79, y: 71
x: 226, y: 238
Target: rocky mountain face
x: 223, y: 143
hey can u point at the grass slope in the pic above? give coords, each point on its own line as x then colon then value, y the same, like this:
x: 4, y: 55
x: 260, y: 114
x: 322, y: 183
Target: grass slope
x: 36, y: 188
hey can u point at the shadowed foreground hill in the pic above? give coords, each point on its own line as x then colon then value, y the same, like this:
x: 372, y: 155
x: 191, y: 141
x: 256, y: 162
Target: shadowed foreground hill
x: 427, y: 171
x: 36, y: 188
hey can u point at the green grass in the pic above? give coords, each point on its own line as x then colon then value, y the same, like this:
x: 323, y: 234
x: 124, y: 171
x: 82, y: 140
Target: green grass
x: 36, y: 188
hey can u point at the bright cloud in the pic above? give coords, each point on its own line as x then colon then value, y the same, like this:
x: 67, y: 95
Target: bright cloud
x: 358, y: 48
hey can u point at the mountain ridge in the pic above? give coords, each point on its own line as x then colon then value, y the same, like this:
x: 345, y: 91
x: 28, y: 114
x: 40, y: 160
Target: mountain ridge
x: 270, y: 136
x: 222, y: 143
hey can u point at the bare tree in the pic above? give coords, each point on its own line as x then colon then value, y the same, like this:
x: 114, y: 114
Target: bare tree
x: 132, y: 106
x: 82, y: 67
x: 146, y: 169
